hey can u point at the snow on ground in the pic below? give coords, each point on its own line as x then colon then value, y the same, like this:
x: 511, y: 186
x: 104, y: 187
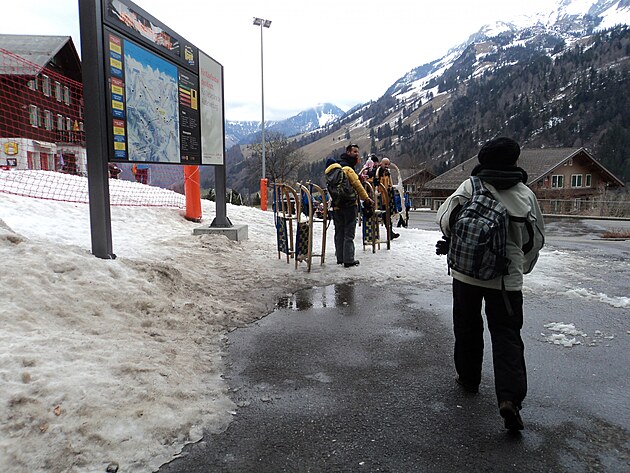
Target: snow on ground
x: 119, y: 360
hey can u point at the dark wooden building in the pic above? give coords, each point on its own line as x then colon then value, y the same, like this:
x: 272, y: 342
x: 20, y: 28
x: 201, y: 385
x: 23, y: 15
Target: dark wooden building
x: 415, y: 186
x: 565, y: 180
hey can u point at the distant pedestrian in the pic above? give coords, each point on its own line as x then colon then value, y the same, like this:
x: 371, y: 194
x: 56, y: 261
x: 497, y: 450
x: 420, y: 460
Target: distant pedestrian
x: 503, y: 297
x: 383, y: 176
x: 345, y: 213
x: 403, y: 221
x: 114, y: 171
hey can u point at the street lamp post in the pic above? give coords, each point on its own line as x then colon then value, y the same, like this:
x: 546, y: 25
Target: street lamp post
x: 263, y: 181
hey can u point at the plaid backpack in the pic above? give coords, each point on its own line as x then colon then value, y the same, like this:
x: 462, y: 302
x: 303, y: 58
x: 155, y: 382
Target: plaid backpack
x: 479, y: 235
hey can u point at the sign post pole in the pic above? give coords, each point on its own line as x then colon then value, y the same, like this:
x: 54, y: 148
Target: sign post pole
x: 90, y: 12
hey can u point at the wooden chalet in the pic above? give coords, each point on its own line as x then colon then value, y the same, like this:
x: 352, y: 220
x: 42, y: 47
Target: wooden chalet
x: 565, y: 180
x: 41, y: 104
x: 415, y: 185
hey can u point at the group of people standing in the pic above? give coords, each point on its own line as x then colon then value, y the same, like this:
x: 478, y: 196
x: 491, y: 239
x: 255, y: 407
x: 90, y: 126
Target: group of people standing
x: 376, y: 172
x: 501, y: 180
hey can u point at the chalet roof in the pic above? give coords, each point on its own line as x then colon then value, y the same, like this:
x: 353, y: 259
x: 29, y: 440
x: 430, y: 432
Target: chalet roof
x: 409, y: 174
x: 38, y: 51
x: 536, y: 162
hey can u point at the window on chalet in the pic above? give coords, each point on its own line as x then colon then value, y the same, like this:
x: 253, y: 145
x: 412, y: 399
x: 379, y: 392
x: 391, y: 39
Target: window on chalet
x: 58, y: 91
x: 576, y: 180
x: 557, y: 182
x: 81, y: 128
x: 46, y: 85
x: 59, y: 122
x: 66, y: 95
x: 32, y: 84
x: 33, y: 115
x: 69, y: 124
x: 588, y: 180
x: 48, y: 121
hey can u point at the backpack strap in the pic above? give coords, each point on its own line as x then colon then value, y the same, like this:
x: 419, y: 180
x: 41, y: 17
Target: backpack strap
x: 477, y: 185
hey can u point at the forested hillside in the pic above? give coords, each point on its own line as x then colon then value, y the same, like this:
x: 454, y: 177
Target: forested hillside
x: 575, y: 97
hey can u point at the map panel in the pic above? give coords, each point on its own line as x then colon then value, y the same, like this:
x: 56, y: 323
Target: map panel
x: 151, y: 93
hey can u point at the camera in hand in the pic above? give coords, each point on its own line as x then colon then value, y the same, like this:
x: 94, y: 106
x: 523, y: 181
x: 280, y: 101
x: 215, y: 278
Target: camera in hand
x: 441, y: 247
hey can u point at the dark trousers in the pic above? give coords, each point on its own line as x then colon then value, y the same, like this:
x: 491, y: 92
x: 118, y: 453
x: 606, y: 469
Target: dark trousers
x: 508, y: 350
x: 345, y: 220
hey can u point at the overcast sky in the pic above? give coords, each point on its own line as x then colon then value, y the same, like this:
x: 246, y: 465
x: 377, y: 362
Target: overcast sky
x: 344, y: 52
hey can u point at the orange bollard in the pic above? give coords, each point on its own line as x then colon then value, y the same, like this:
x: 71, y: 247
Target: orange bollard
x: 192, y: 189
x: 263, y: 194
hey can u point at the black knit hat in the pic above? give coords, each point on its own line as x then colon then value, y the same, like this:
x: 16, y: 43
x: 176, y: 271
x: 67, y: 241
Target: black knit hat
x: 499, y: 153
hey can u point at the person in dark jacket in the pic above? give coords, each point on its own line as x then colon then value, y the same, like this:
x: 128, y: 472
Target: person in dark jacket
x: 345, y: 215
x: 526, y: 235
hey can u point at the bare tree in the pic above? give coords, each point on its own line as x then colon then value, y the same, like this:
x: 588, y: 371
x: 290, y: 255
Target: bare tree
x: 282, y: 157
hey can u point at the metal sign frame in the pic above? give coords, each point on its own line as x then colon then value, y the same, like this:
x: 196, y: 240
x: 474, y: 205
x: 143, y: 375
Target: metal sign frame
x: 105, y: 106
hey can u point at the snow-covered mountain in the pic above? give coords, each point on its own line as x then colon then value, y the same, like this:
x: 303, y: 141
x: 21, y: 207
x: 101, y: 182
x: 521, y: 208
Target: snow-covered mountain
x: 237, y: 132
x: 567, y: 22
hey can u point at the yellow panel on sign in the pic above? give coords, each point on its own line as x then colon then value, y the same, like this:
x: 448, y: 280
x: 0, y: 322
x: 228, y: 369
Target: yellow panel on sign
x: 193, y: 99
x: 115, y: 63
x: 119, y: 131
x: 114, y: 47
x: 118, y: 146
x: 117, y: 105
x: 117, y: 90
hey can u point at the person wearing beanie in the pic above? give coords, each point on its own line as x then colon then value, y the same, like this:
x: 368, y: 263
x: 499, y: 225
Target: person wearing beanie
x: 503, y: 297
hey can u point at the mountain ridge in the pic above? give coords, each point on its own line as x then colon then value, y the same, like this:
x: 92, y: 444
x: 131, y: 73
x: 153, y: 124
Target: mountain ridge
x: 558, y: 78
x: 246, y: 132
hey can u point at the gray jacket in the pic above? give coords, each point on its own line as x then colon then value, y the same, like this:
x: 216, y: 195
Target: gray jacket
x: 528, y: 232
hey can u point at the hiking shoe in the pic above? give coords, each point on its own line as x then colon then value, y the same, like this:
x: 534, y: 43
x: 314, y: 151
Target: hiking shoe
x: 469, y: 388
x: 350, y: 265
x: 512, y: 418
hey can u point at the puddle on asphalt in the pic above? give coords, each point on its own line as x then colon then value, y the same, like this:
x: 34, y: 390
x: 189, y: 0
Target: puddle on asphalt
x: 335, y: 295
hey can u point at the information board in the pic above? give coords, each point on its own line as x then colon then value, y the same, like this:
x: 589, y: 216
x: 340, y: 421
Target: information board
x: 165, y: 97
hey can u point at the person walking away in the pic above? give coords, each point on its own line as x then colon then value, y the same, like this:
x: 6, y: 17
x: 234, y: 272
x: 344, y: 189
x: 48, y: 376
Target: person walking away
x: 498, y: 173
x: 345, y: 212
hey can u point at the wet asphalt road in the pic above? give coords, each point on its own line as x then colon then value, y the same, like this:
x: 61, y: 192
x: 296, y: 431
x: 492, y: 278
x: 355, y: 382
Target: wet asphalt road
x: 344, y: 378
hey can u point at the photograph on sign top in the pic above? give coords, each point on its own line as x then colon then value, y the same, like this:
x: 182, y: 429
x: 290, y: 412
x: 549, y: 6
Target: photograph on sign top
x: 148, y: 29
